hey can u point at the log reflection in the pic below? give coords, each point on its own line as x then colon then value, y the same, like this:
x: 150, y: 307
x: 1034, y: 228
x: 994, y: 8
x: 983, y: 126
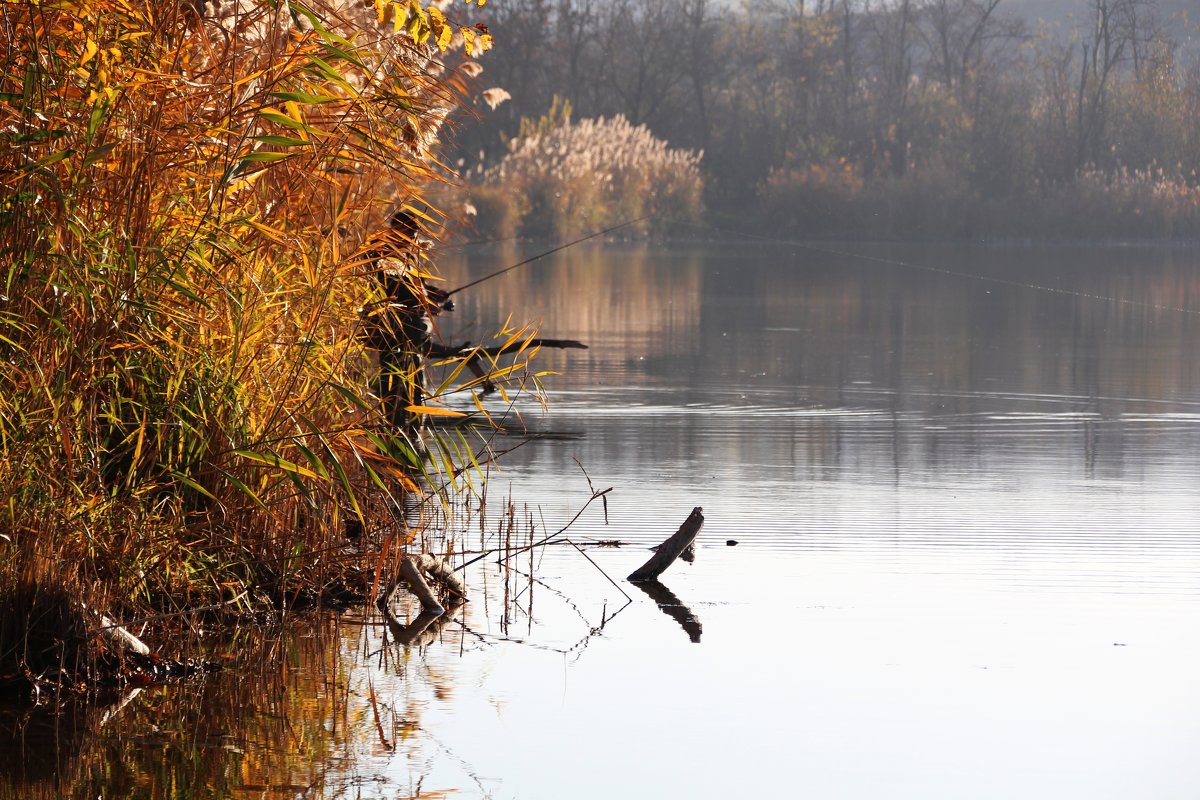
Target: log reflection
x: 673, y: 607
x: 424, y: 629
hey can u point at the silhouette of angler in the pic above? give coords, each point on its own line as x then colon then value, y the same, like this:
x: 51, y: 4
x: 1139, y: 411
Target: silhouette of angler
x: 399, y: 324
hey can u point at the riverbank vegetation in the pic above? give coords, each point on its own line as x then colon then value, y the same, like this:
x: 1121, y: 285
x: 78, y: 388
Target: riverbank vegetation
x: 910, y: 119
x: 187, y: 197
x: 561, y: 176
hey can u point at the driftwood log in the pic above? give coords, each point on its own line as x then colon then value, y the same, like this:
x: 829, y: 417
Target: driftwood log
x: 413, y: 571
x: 679, y: 543
x: 120, y: 639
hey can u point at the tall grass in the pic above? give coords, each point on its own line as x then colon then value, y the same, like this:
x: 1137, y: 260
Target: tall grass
x: 184, y: 198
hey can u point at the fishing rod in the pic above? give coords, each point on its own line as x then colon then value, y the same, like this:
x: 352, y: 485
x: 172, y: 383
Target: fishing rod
x: 539, y: 256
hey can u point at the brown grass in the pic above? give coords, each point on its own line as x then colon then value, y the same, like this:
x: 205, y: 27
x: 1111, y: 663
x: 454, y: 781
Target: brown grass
x: 184, y: 199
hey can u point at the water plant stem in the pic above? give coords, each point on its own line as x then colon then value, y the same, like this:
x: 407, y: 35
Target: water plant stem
x: 596, y: 495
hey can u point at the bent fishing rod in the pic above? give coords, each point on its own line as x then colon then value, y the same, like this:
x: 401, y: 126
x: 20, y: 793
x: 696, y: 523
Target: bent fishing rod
x: 540, y: 256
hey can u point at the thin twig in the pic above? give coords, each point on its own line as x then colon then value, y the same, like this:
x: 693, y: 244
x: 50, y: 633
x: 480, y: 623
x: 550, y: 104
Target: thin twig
x: 595, y: 496
x: 597, y: 566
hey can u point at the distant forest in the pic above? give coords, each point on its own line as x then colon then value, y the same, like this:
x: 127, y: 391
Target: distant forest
x: 903, y: 118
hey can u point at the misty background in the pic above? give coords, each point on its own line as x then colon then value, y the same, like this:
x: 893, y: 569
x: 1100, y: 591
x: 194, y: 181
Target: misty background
x: 899, y: 119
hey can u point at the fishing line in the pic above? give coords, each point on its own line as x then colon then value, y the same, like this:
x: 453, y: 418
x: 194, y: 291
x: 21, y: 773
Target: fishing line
x: 552, y: 251
x: 895, y: 262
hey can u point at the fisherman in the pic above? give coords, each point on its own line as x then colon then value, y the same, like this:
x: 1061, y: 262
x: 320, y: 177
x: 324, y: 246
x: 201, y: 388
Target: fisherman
x: 400, y: 323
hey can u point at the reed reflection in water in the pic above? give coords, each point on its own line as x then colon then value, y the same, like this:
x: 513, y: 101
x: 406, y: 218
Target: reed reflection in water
x: 325, y: 706
x: 275, y: 724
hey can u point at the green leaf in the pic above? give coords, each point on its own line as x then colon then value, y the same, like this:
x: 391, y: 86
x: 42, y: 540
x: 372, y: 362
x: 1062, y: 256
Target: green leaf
x: 313, y: 460
x: 99, y: 153
x: 265, y: 157
x: 352, y: 397
x: 323, y: 67
x: 273, y: 460
x: 191, y: 484
x: 53, y: 158
x: 394, y: 446
x: 374, y: 476
x: 344, y: 480
x: 283, y: 119
x: 186, y: 291
x: 35, y: 136
x: 306, y: 98
x: 345, y: 55
x: 97, y: 117
x: 243, y: 488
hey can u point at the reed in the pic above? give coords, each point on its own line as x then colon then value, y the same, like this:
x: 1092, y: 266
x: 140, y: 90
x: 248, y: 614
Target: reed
x: 561, y: 177
x: 186, y: 195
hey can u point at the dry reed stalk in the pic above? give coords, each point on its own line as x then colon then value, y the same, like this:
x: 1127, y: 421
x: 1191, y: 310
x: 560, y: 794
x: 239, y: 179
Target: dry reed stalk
x: 566, y: 176
x: 184, y: 203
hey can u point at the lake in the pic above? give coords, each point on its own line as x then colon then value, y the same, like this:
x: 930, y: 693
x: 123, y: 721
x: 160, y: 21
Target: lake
x: 963, y: 485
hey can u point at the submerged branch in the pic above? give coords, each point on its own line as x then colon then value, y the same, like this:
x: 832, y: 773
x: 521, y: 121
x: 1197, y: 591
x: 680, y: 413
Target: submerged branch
x: 675, y: 547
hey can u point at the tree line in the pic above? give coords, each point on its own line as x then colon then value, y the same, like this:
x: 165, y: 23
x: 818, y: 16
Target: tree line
x: 958, y: 99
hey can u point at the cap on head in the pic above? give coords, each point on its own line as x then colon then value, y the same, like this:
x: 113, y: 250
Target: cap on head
x: 405, y: 222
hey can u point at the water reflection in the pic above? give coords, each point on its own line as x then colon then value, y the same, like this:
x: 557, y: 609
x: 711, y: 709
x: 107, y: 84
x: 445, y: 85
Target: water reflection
x: 425, y: 629
x: 673, y: 607
x: 827, y: 330
x: 44, y: 745
x: 958, y: 491
x: 968, y: 561
x: 293, y: 716
x: 120, y: 749
x: 750, y: 370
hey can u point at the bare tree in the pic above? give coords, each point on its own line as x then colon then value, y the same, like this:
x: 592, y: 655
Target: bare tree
x: 1121, y: 34
x: 956, y: 34
x: 638, y: 57
x: 892, y: 29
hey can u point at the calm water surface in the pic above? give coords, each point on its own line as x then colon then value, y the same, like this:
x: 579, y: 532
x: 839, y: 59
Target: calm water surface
x: 967, y: 561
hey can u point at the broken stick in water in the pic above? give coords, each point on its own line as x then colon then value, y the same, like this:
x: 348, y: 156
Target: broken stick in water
x: 121, y: 639
x: 671, y: 549
x: 413, y: 570
x: 411, y: 575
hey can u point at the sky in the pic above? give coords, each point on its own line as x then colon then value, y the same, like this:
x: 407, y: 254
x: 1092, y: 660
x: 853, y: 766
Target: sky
x: 1064, y: 11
